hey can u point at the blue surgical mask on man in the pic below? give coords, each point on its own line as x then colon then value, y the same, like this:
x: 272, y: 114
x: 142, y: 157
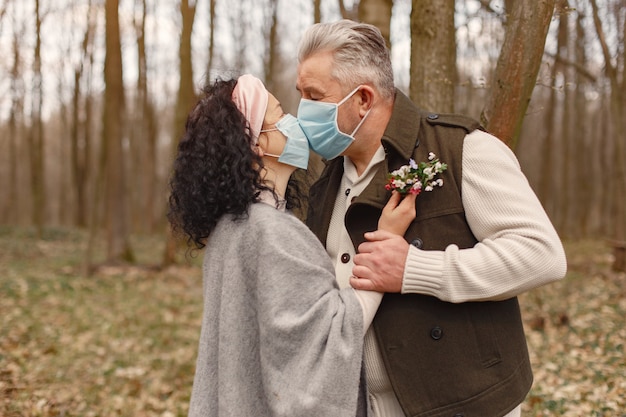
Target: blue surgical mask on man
x: 296, y: 150
x: 319, y: 123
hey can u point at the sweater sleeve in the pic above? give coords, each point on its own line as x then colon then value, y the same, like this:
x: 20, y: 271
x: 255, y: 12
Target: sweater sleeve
x: 370, y: 301
x: 518, y: 248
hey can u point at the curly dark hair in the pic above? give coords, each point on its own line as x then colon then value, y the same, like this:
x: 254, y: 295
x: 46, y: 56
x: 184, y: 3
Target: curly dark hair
x: 215, y: 171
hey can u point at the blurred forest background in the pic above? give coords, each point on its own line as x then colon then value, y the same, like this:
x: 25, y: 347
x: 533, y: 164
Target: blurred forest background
x: 94, y: 95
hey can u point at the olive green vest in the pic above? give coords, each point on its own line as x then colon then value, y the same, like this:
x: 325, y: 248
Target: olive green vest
x: 443, y: 359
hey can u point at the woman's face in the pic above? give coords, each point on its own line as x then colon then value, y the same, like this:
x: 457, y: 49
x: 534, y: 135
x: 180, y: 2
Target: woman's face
x: 273, y: 141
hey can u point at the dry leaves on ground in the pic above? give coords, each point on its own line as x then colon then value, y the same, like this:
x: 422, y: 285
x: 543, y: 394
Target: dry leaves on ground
x: 123, y: 342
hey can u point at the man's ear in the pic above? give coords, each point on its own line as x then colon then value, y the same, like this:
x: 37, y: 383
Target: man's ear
x: 366, y: 96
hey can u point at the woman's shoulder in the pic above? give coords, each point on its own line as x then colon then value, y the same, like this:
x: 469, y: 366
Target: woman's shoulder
x: 264, y: 223
x: 265, y: 217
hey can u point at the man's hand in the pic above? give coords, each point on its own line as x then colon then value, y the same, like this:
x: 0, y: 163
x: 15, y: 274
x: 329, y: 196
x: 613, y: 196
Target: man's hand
x: 379, y: 265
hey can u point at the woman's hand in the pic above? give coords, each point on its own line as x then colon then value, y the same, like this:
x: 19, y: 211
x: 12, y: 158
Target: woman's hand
x: 398, y: 213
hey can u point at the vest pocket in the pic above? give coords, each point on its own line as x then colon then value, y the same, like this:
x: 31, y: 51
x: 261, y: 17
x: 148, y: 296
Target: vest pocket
x: 485, y: 334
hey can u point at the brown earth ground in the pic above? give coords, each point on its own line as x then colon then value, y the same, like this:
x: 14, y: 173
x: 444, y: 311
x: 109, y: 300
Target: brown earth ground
x: 123, y: 341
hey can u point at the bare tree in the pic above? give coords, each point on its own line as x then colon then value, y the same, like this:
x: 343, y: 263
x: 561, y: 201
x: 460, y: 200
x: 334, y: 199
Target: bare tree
x: 36, y: 133
x: 184, y: 101
x: 517, y: 68
x: 272, y: 57
x: 317, y: 11
x: 16, y: 116
x: 239, y: 24
x: 118, y: 243
x: 80, y: 151
x: 551, y: 156
x: 377, y: 13
x: 616, y: 75
x: 144, y: 134
x: 565, y: 152
x: 582, y: 148
x: 351, y: 13
x: 212, y: 21
x: 433, y: 55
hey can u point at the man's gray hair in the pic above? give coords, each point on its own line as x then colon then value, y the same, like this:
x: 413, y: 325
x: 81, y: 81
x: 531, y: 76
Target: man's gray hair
x: 359, y: 50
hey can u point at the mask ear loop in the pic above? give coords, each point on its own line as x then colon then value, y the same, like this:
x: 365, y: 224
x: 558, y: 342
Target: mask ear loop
x: 258, y: 144
x: 349, y: 95
x: 364, y: 116
x: 361, y: 122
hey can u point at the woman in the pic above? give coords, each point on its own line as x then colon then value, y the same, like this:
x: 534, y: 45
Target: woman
x: 279, y: 338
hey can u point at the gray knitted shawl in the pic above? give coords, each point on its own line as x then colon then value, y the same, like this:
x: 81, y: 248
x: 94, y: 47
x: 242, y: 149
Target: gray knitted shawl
x: 278, y: 338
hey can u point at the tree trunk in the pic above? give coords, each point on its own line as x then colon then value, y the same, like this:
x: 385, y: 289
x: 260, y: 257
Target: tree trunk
x: 517, y: 68
x: 377, y: 13
x: 317, y: 11
x: 143, y: 140
x: 79, y: 138
x: 352, y: 13
x: 564, y: 223
x: 618, y: 113
x: 118, y: 244
x: 584, y: 149
x: 185, y: 99
x: 16, y: 116
x: 36, y: 135
x: 211, y: 39
x: 272, y: 61
x: 550, y: 157
x: 433, y: 55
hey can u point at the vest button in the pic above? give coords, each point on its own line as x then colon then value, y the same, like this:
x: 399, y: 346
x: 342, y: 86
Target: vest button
x: 417, y: 242
x: 347, y: 192
x: 433, y: 116
x: 436, y: 333
x: 345, y: 258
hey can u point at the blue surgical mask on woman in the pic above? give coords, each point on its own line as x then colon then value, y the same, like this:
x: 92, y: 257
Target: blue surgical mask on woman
x: 319, y: 122
x: 296, y: 150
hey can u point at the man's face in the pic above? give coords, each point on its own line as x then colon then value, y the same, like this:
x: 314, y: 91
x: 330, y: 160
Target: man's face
x: 316, y: 83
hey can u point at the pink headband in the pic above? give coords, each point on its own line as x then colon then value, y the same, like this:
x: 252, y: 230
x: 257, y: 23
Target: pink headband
x: 251, y: 97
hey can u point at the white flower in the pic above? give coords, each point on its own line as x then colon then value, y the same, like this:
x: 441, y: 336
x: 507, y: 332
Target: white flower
x: 414, y: 177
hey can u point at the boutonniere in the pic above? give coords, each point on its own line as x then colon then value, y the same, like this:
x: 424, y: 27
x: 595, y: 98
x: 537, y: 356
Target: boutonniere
x: 415, y: 177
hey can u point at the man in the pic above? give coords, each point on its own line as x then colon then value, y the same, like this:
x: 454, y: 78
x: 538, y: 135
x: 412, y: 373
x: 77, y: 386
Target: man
x: 447, y: 339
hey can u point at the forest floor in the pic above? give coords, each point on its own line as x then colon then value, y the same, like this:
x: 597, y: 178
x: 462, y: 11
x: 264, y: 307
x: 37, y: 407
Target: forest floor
x: 123, y: 341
